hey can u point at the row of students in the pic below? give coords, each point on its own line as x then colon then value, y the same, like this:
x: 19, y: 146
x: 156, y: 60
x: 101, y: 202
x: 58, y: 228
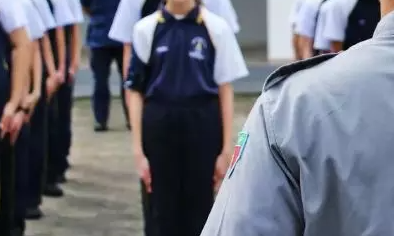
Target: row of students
x: 40, y: 51
x: 322, y: 26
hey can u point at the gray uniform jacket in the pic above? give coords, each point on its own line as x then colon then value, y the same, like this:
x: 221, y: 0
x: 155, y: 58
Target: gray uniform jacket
x: 319, y: 157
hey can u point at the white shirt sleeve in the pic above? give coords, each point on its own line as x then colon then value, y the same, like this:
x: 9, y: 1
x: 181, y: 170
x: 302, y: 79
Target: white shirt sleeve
x: 306, y: 20
x: 45, y: 13
x: 35, y: 26
x: 62, y: 12
x: 294, y: 12
x: 12, y: 16
x: 76, y: 10
x: 225, y: 9
x: 321, y: 42
x: 127, y: 15
x: 229, y: 61
x: 337, y: 19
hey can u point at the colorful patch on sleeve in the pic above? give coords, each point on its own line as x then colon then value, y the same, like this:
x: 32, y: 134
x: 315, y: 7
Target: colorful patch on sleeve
x: 238, y: 150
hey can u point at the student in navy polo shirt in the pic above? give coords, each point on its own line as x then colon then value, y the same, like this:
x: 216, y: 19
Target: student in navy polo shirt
x: 14, y: 46
x: 181, y: 108
x: 350, y: 22
x: 49, y: 81
x: 103, y: 52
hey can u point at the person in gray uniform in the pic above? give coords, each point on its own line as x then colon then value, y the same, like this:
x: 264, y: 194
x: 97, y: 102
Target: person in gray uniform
x: 315, y: 154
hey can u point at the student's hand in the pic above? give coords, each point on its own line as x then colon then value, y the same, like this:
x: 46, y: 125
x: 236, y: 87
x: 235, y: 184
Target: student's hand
x: 222, y: 163
x: 143, y: 169
x: 51, y: 87
x: 30, y: 102
x: 60, y: 76
x: 16, y: 126
x: 71, y: 74
x: 6, y: 120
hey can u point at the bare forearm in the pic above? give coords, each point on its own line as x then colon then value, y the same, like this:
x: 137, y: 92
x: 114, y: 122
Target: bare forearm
x: 135, y: 113
x: 21, y: 65
x: 48, y: 55
x: 336, y: 46
x: 75, y: 46
x: 61, y: 48
x: 306, y: 47
x: 37, y: 68
x: 226, y: 99
x: 126, y: 59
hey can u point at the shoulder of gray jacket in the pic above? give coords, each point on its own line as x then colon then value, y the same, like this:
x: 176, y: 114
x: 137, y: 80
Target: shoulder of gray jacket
x: 285, y: 71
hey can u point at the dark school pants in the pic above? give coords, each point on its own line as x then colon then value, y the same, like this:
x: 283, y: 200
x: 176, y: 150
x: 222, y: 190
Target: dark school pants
x: 21, y: 175
x: 182, y: 143
x: 101, y: 59
x: 64, y: 116
x: 7, y: 185
x: 147, y: 211
x: 38, y: 151
x: 53, y: 142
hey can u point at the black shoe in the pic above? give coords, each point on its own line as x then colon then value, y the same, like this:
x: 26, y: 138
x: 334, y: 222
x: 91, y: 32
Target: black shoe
x: 33, y: 213
x: 100, y: 128
x: 53, y: 190
x: 61, y: 179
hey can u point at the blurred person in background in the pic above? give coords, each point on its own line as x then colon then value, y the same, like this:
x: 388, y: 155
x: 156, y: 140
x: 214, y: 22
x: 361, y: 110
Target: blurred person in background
x: 103, y: 52
x: 306, y: 26
x: 295, y: 37
x: 350, y: 22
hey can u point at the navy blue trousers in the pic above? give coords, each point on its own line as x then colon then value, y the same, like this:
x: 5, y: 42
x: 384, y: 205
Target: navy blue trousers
x: 38, y: 152
x: 182, y: 143
x: 100, y: 63
x: 7, y: 198
x: 21, y: 175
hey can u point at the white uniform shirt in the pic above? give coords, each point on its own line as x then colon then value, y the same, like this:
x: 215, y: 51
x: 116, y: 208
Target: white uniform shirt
x: 306, y: 21
x: 321, y: 42
x: 129, y: 12
x: 229, y: 62
x: 294, y: 14
x: 35, y: 27
x: 45, y: 13
x: 76, y: 10
x: 337, y: 19
x: 62, y: 12
x: 12, y: 16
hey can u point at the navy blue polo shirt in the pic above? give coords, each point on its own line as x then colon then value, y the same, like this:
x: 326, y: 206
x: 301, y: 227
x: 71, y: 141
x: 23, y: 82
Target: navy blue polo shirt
x: 181, y: 65
x: 102, y: 13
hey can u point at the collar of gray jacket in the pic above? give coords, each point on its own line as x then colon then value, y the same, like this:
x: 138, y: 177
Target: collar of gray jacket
x: 386, y: 26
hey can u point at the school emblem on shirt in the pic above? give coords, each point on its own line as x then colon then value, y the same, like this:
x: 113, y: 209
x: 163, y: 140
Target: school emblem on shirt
x: 198, y: 44
x: 238, y: 150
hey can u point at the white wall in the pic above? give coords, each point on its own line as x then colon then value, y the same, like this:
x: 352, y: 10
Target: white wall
x: 278, y: 30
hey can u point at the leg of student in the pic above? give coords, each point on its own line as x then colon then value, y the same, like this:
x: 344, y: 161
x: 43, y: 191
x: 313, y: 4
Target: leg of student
x: 21, y: 178
x: 100, y: 63
x: 7, y: 186
x: 203, y: 143
x: 65, y: 102
x: 37, y: 156
x: 161, y: 146
x: 51, y: 188
x: 118, y: 55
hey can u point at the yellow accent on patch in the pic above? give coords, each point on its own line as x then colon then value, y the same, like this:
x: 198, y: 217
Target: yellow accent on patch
x: 199, y: 18
x: 160, y: 18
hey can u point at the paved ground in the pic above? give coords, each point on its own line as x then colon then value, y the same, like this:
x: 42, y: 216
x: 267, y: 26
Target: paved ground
x: 102, y: 195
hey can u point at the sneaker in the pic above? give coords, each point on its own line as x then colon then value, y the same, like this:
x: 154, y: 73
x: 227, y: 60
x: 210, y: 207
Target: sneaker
x: 100, y: 128
x: 33, y: 213
x: 53, y: 190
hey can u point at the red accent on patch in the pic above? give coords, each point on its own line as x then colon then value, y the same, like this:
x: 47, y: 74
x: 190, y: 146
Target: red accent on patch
x: 237, y: 152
